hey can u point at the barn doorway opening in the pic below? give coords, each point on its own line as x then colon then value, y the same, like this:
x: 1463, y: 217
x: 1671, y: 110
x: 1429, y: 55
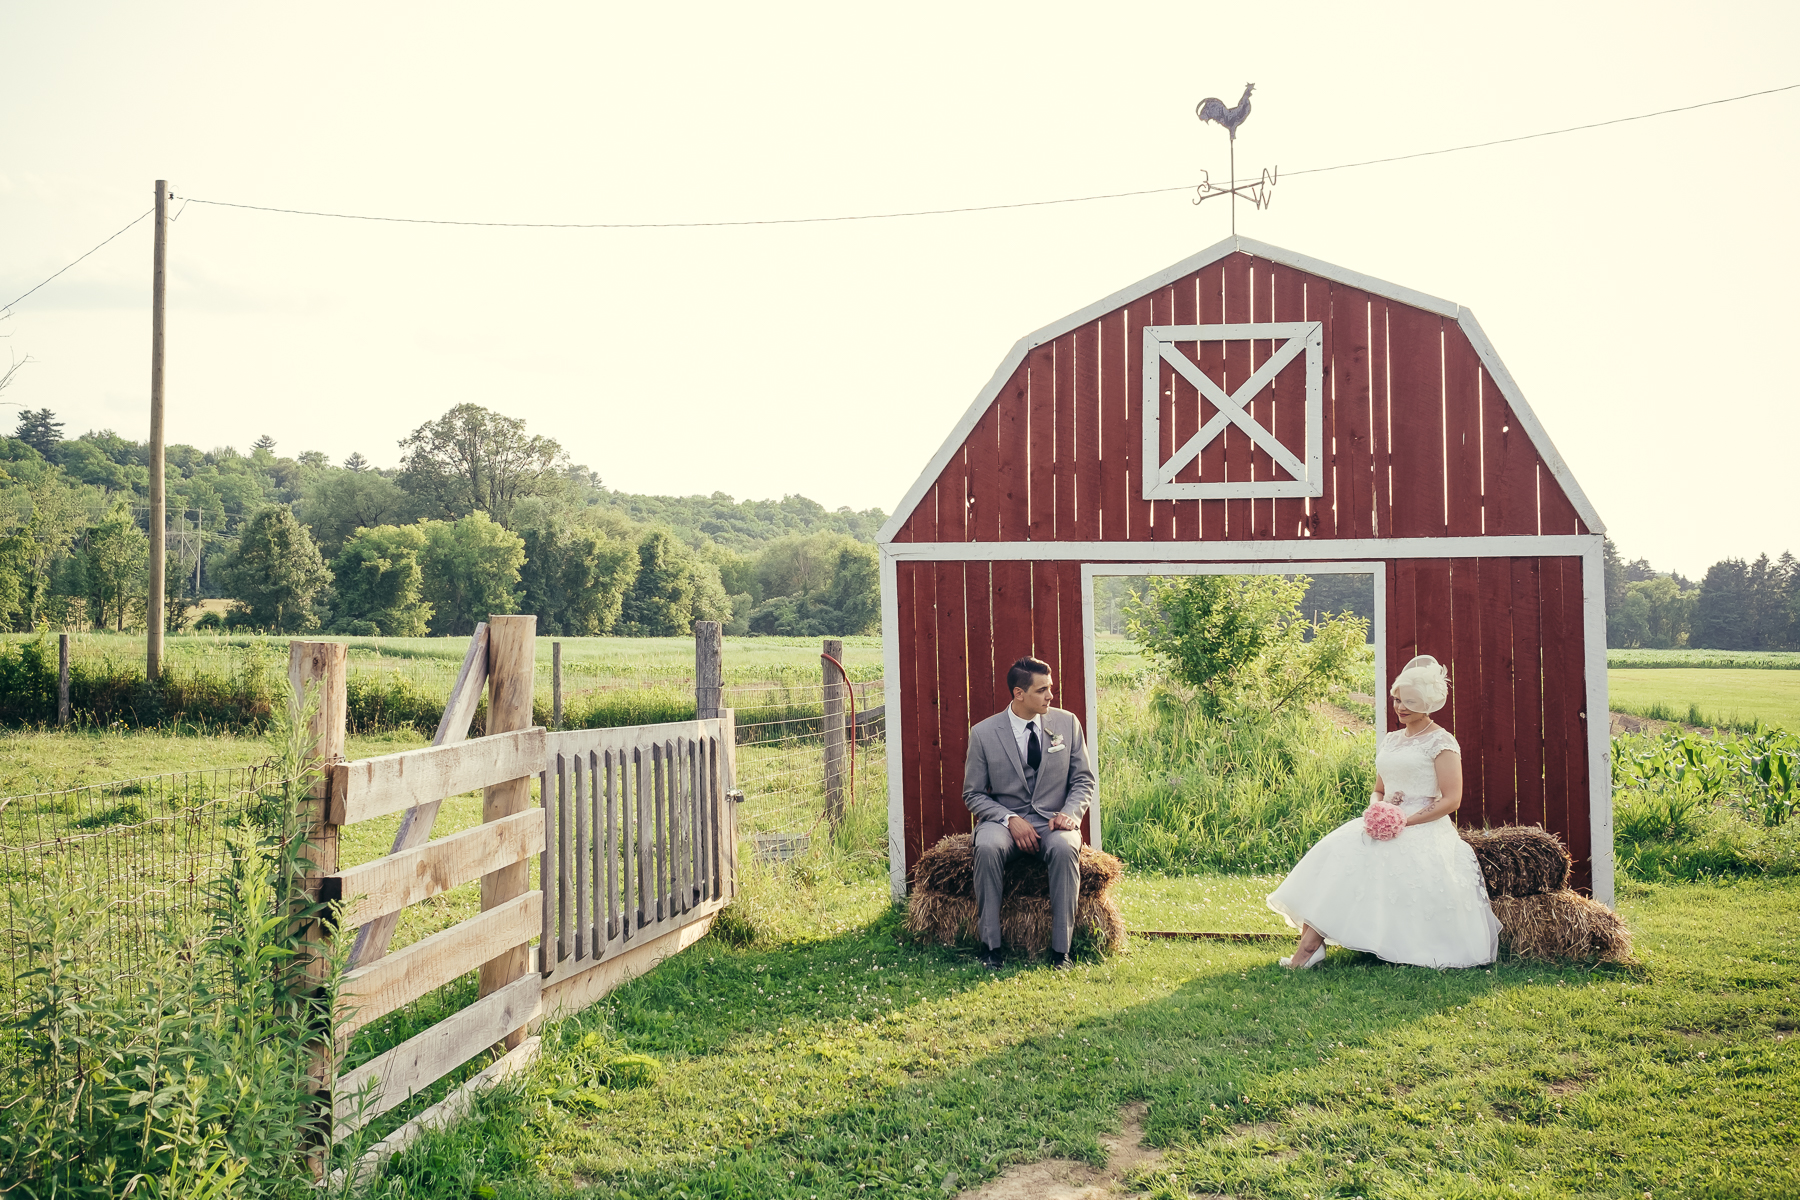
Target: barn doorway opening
x: 1236, y: 780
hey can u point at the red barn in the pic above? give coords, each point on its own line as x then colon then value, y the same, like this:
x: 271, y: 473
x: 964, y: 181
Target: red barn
x: 1251, y: 409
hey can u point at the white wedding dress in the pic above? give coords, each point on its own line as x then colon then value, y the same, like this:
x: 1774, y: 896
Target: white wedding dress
x: 1418, y: 898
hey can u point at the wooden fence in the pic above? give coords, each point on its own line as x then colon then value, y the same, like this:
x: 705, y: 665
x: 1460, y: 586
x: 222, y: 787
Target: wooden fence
x: 636, y: 842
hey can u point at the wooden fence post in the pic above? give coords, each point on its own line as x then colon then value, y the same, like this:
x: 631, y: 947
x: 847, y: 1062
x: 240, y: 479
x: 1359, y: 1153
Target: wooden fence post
x: 318, y: 670
x: 62, y: 679
x: 556, y: 685
x: 512, y: 649
x: 835, y: 688
x: 709, y: 670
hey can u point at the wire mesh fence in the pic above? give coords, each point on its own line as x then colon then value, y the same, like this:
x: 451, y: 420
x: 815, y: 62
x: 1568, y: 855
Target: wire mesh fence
x: 781, y: 764
x: 143, y: 853
x: 139, y: 854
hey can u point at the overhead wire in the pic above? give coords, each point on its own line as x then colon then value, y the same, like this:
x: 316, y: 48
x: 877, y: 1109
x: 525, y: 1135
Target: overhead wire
x: 975, y: 208
x: 139, y: 217
x: 906, y: 213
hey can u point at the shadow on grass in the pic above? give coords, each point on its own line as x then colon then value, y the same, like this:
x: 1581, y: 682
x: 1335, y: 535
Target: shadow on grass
x: 858, y: 1066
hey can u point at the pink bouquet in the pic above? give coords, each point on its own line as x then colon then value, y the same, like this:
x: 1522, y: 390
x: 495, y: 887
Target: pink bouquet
x: 1383, y: 821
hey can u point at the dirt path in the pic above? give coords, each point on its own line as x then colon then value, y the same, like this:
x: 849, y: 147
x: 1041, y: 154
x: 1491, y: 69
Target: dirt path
x: 1066, y: 1179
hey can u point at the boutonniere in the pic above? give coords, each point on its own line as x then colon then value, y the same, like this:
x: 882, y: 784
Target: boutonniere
x: 1057, y: 743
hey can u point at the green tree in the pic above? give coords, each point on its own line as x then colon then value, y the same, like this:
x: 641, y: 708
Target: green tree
x: 118, y: 562
x: 575, y: 579
x: 59, y: 515
x: 837, y: 586
x: 338, y: 503
x: 1241, y: 642
x: 15, y: 578
x: 1656, y: 613
x: 275, y: 573
x: 661, y: 602
x: 474, y: 460
x: 40, y: 430
x: 380, y: 583
x: 854, y: 594
x: 471, y: 568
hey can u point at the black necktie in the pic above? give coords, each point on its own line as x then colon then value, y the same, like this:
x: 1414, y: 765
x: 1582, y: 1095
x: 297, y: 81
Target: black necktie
x: 1033, y: 755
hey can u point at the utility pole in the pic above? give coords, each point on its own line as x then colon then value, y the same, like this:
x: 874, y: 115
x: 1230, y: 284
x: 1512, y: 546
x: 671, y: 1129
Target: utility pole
x: 159, y: 549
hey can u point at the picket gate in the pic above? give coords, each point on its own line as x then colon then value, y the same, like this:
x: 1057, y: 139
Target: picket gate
x: 636, y: 841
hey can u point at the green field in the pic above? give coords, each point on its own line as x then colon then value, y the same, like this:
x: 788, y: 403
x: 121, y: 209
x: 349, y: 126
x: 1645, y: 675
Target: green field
x: 1756, y: 660
x: 433, y: 662
x: 1733, y: 698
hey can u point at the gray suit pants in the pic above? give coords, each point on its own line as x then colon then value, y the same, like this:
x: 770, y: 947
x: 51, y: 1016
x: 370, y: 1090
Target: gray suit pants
x: 1060, y: 851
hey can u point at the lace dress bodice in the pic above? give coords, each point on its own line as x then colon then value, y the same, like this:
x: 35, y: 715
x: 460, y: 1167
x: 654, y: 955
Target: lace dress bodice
x: 1408, y: 766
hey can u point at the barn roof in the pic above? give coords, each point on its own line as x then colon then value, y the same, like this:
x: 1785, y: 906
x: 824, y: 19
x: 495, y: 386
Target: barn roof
x: 1490, y: 359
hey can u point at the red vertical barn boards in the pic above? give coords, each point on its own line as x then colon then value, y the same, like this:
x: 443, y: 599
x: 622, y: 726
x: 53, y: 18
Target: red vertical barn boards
x: 1155, y: 432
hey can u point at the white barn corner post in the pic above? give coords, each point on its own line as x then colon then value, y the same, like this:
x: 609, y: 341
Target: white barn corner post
x: 1250, y: 409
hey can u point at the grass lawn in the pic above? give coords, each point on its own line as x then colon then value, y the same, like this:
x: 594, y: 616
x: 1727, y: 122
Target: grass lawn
x: 847, y: 1064
x: 34, y: 760
x: 1723, y: 696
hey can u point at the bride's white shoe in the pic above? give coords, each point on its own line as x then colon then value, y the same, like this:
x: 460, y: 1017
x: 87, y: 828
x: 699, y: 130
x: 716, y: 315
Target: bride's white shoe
x: 1318, y: 956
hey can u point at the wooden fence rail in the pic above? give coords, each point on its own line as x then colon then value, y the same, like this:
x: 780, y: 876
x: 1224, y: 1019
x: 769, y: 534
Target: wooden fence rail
x: 636, y: 841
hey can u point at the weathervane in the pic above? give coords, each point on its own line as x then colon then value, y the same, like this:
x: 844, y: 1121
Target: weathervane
x: 1213, y: 109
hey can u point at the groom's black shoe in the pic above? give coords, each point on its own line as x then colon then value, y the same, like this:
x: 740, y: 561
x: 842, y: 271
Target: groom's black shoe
x: 993, y: 959
x: 1060, y: 960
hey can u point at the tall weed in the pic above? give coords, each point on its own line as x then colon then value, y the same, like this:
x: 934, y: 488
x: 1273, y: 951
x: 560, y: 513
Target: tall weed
x: 190, y: 1075
x: 1186, y: 792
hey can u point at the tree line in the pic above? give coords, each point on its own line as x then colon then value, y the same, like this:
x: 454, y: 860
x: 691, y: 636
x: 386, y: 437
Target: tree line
x: 481, y: 516
x: 1737, y: 605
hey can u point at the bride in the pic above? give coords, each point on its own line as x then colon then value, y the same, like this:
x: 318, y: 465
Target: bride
x: 1418, y: 898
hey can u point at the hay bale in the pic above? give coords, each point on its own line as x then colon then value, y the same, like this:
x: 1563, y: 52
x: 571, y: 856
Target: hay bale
x: 1519, y: 860
x: 1024, y: 921
x: 941, y: 907
x: 1561, y: 925
x: 948, y: 869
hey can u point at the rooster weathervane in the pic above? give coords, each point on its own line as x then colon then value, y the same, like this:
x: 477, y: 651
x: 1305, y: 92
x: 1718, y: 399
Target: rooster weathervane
x: 1213, y: 109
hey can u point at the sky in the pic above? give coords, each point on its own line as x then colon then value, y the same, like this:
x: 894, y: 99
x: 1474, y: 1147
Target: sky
x: 1637, y: 280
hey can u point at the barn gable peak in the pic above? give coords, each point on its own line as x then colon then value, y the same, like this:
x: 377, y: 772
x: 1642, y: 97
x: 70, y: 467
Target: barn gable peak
x: 1449, y: 310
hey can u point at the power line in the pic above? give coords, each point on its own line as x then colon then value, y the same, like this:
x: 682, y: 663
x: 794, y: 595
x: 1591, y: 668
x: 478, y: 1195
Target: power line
x: 973, y: 208
x: 139, y: 217
x: 886, y: 216
x: 923, y: 212
x: 1547, y: 133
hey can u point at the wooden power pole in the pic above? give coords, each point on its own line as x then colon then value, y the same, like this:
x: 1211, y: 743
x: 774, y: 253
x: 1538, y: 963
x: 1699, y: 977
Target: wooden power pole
x: 154, y: 610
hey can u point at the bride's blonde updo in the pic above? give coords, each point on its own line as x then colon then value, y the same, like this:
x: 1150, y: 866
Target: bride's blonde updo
x: 1422, y: 685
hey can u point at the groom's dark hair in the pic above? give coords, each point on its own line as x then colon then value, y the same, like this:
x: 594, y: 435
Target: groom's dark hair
x: 1021, y: 673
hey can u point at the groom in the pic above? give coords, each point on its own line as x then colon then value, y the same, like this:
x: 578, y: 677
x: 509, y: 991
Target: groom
x: 1027, y: 783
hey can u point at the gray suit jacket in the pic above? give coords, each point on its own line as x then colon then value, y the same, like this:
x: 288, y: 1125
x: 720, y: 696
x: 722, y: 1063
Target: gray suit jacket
x: 994, y: 786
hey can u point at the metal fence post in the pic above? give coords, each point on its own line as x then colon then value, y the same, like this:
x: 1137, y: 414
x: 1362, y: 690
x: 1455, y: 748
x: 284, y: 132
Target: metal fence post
x: 834, y: 688
x: 62, y: 679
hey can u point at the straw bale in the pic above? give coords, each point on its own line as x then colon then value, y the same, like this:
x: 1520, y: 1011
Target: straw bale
x: 1024, y: 921
x: 1561, y: 925
x: 1519, y: 860
x: 942, y: 905
x: 948, y: 869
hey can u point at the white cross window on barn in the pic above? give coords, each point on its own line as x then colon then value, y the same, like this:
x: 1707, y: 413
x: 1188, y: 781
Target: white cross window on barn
x: 1304, y: 478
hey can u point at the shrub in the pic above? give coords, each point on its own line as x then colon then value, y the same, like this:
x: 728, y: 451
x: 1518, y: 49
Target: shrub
x: 1190, y: 792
